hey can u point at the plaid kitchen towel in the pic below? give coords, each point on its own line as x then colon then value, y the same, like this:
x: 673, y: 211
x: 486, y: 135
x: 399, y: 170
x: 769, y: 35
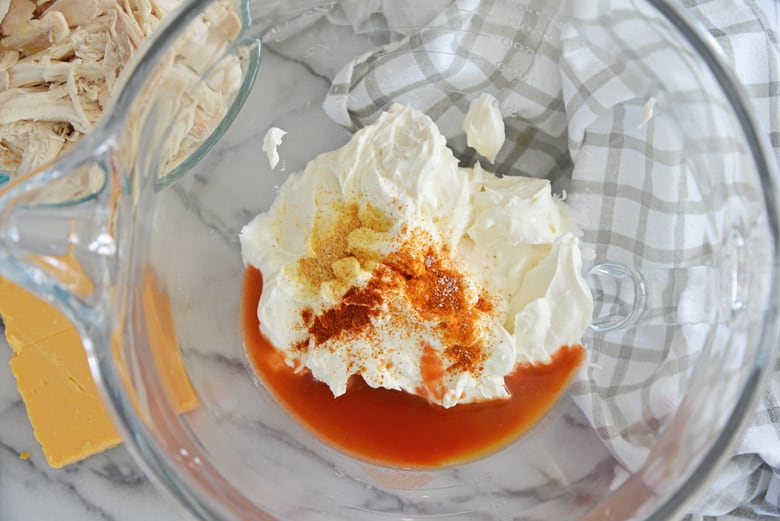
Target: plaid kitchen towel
x: 747, y: 33
x: 585, y: 104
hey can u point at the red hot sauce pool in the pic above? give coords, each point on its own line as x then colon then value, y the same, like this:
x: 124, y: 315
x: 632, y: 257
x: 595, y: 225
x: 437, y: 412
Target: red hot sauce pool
x: 398, y: 428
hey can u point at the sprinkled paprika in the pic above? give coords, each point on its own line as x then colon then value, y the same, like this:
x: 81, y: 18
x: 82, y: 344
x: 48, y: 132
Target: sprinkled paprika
x: 431, y: 289
x: 352, y: 314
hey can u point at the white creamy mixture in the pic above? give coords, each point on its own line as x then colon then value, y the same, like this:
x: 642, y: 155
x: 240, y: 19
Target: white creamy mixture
x: 272, y: 139
x: 386, y: 260
x: 484, y: 127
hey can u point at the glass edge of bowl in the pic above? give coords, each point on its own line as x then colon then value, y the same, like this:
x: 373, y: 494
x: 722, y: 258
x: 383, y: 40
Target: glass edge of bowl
x: 253, y: 65
x: 722, y: 449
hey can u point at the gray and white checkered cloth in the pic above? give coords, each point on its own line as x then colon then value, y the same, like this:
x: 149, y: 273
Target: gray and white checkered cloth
x: 749, y: 486
x: 585, y: 106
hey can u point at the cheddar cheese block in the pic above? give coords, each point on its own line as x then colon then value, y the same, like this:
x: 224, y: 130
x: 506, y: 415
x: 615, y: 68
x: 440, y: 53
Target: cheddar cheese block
x: 52, y: 374
x: 67, y: 414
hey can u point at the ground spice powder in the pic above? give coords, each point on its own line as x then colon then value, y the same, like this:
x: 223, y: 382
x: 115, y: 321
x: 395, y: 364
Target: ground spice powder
x: 419, y: 273
x: 351, y: 315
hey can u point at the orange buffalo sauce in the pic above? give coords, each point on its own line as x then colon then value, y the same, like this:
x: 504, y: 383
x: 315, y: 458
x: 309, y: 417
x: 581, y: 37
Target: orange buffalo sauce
x: 397, y: 428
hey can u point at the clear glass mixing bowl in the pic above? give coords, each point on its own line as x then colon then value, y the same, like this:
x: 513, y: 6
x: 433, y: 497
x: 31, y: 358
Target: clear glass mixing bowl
x: 623, y: 104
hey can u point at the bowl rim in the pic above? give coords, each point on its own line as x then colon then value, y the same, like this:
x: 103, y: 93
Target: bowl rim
x: 191, y: 496
x: 116, y: 110
x: 724, y: 446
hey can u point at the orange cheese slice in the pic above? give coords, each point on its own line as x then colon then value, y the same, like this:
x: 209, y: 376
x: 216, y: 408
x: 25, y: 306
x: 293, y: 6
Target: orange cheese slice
x: 52, y: 374
x: 167, y: 356
x: 27, y: 319
x: 63, y: 404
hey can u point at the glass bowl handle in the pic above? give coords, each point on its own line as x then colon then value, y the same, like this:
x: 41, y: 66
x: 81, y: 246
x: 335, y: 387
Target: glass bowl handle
x: 58, y: 233
x: 625, y: 297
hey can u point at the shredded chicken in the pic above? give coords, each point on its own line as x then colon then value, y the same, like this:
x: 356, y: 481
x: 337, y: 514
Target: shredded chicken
x: 60, y: 64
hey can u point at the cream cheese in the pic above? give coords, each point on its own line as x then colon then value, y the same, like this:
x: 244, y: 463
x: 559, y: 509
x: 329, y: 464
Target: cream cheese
x: 271, y: 141
x: 441, y: 279
x: 484, y: 127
